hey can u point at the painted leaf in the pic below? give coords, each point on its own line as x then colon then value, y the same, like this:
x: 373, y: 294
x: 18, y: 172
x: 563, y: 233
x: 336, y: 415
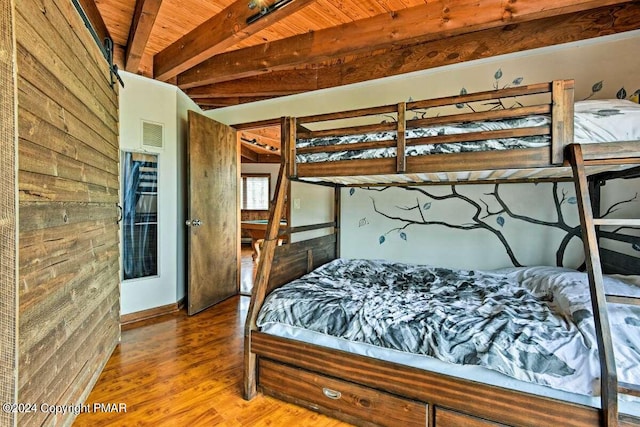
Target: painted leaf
x: 500, y: 221
x: 622, y: 94
x: 352, y: 191
x: 498, y: 74
x: 572, y: 201
x: 427, y: 206
x: 403, y: 236
x: 518, y: 80
x: 410, y: 99
x: 381, y: 239
x: 636, y: 247
x: 363, y: 222
x: 597, y: 87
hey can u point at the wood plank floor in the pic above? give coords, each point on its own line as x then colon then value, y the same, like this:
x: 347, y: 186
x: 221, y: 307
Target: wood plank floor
x: 187, y: 371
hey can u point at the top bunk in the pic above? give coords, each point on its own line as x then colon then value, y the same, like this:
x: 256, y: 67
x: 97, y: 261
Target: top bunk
x: 511, y: 134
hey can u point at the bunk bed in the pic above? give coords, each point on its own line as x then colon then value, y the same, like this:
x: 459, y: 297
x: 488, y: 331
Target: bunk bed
x: 440, y: 141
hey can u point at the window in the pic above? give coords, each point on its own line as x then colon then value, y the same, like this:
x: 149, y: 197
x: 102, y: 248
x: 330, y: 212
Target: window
x: 254, y: 192
x: 139, y: 215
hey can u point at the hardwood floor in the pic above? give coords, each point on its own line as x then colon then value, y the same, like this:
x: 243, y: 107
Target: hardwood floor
x: 178, y: 370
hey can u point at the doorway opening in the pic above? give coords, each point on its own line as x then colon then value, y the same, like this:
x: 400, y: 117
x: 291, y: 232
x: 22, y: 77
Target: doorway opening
x: 260, y: 165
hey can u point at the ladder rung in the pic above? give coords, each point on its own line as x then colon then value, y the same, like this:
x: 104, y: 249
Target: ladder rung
x: 620, y: 222
x: 628, y: 388
x: 623, y: 299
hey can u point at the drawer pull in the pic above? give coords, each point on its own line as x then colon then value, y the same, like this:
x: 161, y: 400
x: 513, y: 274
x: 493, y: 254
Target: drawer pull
x: 331, y: 394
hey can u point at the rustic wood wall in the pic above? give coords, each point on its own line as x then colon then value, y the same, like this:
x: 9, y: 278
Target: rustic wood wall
x: 68, y: 285
x: 7, y: 214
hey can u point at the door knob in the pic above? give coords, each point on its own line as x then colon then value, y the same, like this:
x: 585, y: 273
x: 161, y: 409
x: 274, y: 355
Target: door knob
x: 193, y: 223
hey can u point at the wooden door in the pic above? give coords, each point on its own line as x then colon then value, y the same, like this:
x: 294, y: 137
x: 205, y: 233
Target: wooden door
x: 213, y: 214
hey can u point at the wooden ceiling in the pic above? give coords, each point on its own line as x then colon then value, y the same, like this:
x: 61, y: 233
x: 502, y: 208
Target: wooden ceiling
x: 208, y: 49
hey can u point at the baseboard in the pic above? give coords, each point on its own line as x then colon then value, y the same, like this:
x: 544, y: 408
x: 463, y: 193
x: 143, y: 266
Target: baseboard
x: 139, y: 316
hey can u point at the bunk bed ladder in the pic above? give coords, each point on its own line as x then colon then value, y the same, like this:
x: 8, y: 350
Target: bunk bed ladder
x: 609, y: 381
x: 264, y: 271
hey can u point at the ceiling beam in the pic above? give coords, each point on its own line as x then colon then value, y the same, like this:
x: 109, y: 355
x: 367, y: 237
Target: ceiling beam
x: 144, y: 17
x: 228, y: 101
x: 260, y: 143
x: 428, y: 22
x: 263, y: 85
x: 481, y: 44
x: 93, y: 13
x: 215, y: 35
x: 266, y: 158
x: 248, y: 154
x: 258, y: 149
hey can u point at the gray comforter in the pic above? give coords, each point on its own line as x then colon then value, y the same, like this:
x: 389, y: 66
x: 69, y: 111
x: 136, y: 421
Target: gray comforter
x: 533, y: 324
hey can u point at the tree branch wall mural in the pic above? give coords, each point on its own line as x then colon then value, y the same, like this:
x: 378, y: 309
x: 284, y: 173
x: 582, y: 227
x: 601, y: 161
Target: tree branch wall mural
x: 483, y: 214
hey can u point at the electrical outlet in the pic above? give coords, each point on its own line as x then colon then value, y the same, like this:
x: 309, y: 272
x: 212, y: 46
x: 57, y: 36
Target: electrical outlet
x: 296, y: 203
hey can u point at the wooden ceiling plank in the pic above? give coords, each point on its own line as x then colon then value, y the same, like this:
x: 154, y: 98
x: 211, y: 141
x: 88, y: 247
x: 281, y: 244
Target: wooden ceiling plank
x: 215, y: 35
x: 418, y: 24
x: 144, y: 17
x: 482, y: 44
x: 91, y: 10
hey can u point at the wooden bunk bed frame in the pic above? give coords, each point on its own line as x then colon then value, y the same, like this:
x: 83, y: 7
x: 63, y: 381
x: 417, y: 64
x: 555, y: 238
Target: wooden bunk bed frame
x: 367, y: 391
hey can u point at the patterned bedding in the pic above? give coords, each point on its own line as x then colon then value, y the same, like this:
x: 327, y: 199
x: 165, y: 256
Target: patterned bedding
x: 595, y: 121
x: 533, y: 324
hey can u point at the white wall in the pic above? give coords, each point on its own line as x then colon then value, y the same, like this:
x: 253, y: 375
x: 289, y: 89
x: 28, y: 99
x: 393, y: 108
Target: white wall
x: 146, y: 99
x: 612, y: 60
x: 310, y: 204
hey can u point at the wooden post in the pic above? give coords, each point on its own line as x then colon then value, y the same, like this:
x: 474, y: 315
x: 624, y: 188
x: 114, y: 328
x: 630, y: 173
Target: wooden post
x: 288, y: 142
x: 259, y: 291
x: 401, y: 165
x: 608, y: 377
x: 562, y: 118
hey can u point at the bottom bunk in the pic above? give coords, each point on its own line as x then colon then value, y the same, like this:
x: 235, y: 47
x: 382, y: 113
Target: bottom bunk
x: 542, y: 338
x: 364, y: 383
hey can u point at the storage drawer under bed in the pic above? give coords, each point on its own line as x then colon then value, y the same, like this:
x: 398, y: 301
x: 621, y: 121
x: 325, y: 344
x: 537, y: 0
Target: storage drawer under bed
x: 447, y: 418
x: 337, y: 398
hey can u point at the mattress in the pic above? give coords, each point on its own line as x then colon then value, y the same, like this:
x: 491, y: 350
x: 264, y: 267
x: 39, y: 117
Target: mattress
x: 529, y: 324
x: 594, y: 121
